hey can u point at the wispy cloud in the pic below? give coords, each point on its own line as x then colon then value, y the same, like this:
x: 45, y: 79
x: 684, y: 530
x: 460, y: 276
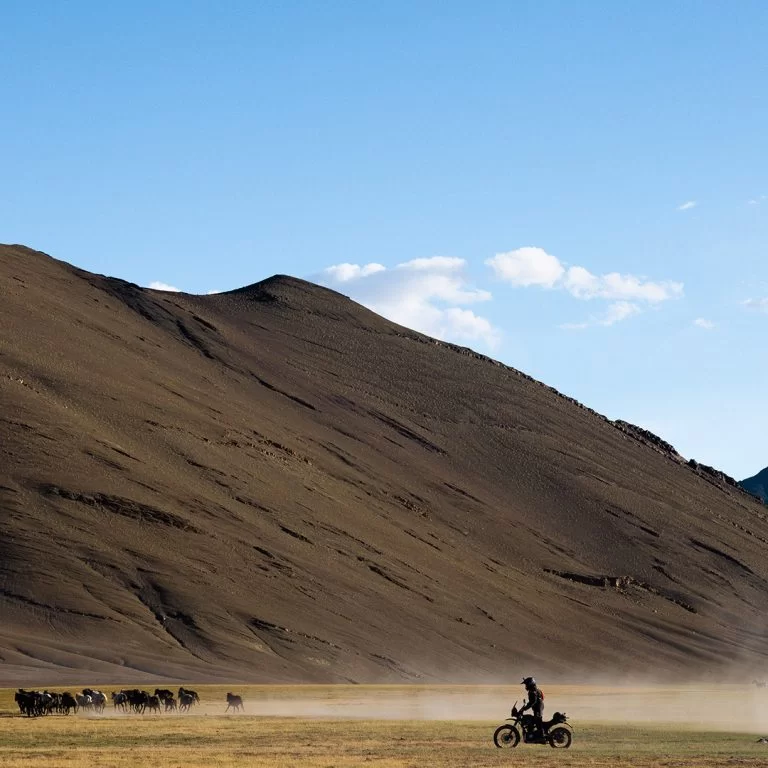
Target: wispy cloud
x: 686, y: 206
x: 759, y: 200
x: 345, y: 272
x: 616, y: 312
x: 582, y: 284
x: 427, y: 294
x: 759, y: 305
x: 532, y: 266
x: 158, y: 286
x: 701, y: 322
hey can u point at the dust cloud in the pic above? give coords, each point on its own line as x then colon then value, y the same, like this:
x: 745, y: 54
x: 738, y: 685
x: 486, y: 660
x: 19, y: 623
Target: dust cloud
x: 721, y: 707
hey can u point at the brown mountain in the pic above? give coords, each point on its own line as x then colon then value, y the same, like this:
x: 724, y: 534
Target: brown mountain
x: 277, y: 484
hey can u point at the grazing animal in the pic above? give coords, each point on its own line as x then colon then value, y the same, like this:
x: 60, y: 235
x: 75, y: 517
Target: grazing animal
x: 234, y: 701
x: 760, y: 683
x: 153, y: 704
x: 170, y: 704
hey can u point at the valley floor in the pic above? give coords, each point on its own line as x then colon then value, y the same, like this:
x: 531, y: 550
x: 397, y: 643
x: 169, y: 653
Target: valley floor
x: 393, y: 727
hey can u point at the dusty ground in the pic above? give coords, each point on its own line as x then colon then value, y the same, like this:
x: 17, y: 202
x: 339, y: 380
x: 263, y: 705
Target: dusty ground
x: 397, y: 726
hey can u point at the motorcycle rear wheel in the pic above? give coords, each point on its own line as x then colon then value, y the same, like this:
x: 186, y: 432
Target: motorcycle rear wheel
x: 560, y: 738
x: 506, y: 737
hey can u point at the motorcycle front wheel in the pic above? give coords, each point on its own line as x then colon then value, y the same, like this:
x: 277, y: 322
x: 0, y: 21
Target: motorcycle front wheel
x: 506, y: 736
x: 560, y: 738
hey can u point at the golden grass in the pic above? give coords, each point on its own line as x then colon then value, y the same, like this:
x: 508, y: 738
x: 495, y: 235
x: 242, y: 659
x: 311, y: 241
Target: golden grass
x: 208, y: 739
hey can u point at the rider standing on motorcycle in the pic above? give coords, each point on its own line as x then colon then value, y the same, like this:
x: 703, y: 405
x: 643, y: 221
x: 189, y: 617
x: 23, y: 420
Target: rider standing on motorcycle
x: 535, y: 702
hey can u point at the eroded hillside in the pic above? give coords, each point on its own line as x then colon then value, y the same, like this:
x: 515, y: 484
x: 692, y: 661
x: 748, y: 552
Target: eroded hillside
x: 276, y: 484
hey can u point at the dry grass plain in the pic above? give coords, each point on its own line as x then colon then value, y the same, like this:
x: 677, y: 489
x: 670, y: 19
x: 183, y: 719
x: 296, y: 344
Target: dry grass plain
x: 399, y: 727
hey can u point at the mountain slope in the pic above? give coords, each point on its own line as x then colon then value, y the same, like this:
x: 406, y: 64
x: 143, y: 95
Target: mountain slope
x: 758, y: 484
x: 277, y: 484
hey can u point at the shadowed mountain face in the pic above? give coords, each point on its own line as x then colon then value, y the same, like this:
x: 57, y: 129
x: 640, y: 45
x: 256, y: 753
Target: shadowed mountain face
x: 758, y: 484
x: 275, y: 484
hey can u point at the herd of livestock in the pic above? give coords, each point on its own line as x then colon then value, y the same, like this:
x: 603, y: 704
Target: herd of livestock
x: 39, y: 703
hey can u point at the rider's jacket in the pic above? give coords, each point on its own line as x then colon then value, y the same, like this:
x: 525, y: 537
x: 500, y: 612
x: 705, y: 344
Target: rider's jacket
x: 535, y: 701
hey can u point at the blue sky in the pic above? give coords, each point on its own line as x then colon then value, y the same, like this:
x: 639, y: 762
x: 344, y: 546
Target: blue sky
x: 578, y: 189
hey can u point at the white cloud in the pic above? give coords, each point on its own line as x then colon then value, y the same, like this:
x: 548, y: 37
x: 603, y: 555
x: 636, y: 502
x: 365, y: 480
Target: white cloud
x: 424, y: 294
x: 158, y: 286
x: 531, y: 266
x: 582, y: 284
x: 345, y: 272
x: 761, y: 305
x: 619, y: 311
x: 466, y: 324
x: 757, y: 200
x: 447, y: 263
x: 687, y: 205
x: 210, y: 293
x: 534, y: 266
x: 616, y: 312
x: 527, y: 266
x: 701, y: 322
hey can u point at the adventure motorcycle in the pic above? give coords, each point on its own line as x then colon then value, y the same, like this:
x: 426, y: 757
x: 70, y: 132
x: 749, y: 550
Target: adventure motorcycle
x: 556, y: 732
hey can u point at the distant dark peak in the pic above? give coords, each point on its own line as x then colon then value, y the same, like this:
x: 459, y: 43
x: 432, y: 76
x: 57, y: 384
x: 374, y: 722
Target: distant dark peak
x: 758, y: 485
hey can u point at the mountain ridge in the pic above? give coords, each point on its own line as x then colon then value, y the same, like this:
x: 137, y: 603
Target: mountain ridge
x: 758, y: 484
x: 274, y: 483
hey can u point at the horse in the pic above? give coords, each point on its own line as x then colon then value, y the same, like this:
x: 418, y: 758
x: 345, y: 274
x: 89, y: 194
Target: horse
x: 137, y: 700
x: 84, y: 701
x: 67, y: 702
x: 27, y: 702
x: 47, y: 703
x: 760, y: 683
x: 98, y: 699
x: 193, y: 694
x: 234, y: 701
x: 163, y: 694
x: 153, y: 704
x: 186, y: 700
x: 119, y: 700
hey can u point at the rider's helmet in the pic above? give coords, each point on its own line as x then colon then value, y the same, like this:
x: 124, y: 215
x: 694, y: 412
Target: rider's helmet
x: 528, y: 682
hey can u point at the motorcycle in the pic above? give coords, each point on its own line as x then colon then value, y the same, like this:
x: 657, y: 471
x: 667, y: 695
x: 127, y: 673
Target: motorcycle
x: 557, y: 732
